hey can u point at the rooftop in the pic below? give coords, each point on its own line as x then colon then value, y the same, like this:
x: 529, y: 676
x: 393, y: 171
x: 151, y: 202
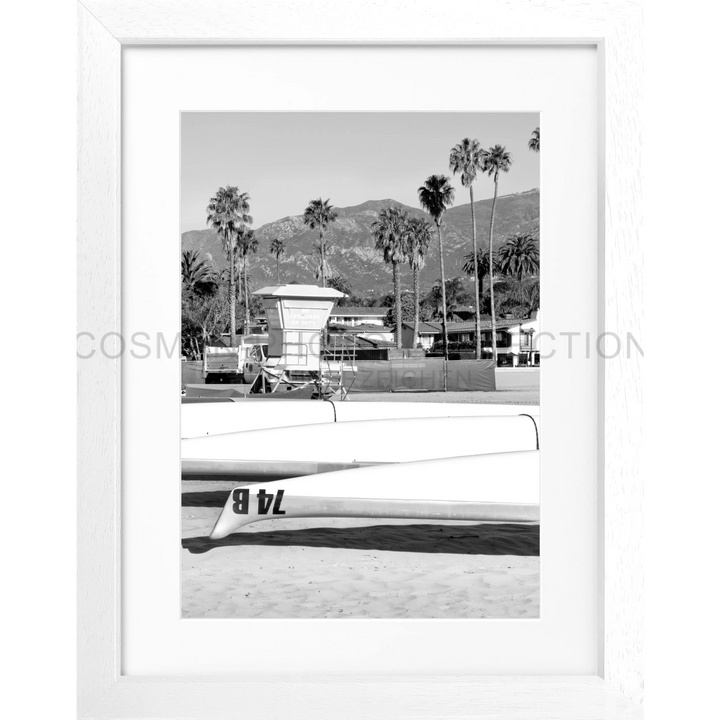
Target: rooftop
x: 358, y: 329
x: 341, y: 340
x: 354, y: 311
x: 435, y: 327
x: 299, y: 291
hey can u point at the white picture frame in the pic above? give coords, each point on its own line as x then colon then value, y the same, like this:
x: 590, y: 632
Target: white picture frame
x: 104, y: 26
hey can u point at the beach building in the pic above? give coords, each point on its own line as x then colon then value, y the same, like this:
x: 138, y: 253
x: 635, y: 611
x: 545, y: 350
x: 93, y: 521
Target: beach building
x: 366, y: 331
x: 353, y: 316
x: 515, y: 338
x: 429, y: 333
x: 361, y: 342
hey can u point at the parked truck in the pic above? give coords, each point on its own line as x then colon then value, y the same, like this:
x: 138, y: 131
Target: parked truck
x: 226, y: 364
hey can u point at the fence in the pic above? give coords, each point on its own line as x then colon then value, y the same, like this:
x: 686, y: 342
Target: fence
x: 422, y: 374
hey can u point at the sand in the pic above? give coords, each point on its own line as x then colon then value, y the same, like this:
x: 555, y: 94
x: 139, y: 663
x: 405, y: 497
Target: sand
x: 347, y: 568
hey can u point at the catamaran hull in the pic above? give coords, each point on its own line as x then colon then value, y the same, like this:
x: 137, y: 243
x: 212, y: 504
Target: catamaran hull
x: 499, y: 487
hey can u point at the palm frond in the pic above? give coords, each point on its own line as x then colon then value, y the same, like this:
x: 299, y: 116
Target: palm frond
x: 496, y: 160
x: 534, y: 141
x: 519, y: 257
x: 466, y: 158
x: 390, y: 233
x: 436, y: 196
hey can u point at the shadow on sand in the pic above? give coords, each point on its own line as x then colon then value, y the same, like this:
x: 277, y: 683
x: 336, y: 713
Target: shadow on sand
x: 207, y: 499
x: 481, y: 539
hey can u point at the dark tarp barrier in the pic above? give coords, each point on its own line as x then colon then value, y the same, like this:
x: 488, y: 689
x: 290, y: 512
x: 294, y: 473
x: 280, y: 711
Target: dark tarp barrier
x: 471, y: 375
x: 212, y: 391
x: 419, y: 374
x: 202, y: 393
x: 192, y: 400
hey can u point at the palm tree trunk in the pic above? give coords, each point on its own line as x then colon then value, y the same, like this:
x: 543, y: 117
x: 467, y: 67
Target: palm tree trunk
x: 492, y: 290
x: 231, y: 296
x: 322, y: 258
x: 246, y: 296
x: 478, y: 339
x: 398, y: 307
x: 277, y: 268
x: 444, y: 307
x: 416, y: 290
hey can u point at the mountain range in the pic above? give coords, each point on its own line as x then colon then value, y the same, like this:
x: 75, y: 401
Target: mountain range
x: 351, y: 246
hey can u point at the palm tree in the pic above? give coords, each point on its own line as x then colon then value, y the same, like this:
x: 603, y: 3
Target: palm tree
x: 456, y: 296
x: 534, y: 141
x: 466, y: 158
x: 319, y: 214
x: 322, y: 268
x: 227, y: 213
x: 519, y: 256
x: 519, y: 297
x: 390, y: 233
x: 195, y: 271
x: 479, y: 266
x: 277, y: 248
x: 418, y: 240
x: 436, y: 196
x: 246, y: 243
x: 496, y: 160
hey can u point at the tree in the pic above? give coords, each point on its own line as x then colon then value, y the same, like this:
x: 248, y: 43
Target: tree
x: 227, y: 214
x: 277, y: 248
x: 418, y: 240
x: 390, y: 233
x: 519, y: 262
x: 319, y: 214
x: 322, y: 270
x: 519, y: 256
x: 479, y: 266
x: 197, y: 275
x: 496, y: 160
x: 436, y: 196
x: 407, y: 311
x: 245, y: 244
x: 341, y: 284
x: 466, y: 158
x: 534, y: 141
x: 201, y: 317
x: 456, y: 296
x: 518, y: 297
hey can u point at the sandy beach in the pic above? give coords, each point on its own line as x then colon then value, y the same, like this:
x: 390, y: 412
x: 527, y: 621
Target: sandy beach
x: 347, y: 568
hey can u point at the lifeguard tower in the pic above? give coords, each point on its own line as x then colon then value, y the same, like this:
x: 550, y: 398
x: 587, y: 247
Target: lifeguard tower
x: 297, y: 316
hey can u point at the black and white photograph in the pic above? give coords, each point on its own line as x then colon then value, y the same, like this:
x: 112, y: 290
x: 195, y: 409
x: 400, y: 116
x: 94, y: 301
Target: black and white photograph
x: 364, y: 456
x: 360, y: 365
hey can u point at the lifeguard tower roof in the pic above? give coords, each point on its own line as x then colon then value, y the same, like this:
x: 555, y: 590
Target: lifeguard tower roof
x: 299, y: 291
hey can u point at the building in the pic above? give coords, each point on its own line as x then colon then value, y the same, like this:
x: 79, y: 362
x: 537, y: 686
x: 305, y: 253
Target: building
x: 514, y: 338
x: 367, y: 331
x: 362, y: 342
x: 429, y: 333
x: 353, y: 316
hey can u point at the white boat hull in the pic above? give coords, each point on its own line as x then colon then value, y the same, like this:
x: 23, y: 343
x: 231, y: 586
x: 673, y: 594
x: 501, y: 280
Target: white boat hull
x: 495, y: 487
x: 201, y: 419
x: 310, y: 449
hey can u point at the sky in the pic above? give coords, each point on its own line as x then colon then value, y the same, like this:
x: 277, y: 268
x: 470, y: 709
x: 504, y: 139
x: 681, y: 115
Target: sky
x: 284, y: 160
